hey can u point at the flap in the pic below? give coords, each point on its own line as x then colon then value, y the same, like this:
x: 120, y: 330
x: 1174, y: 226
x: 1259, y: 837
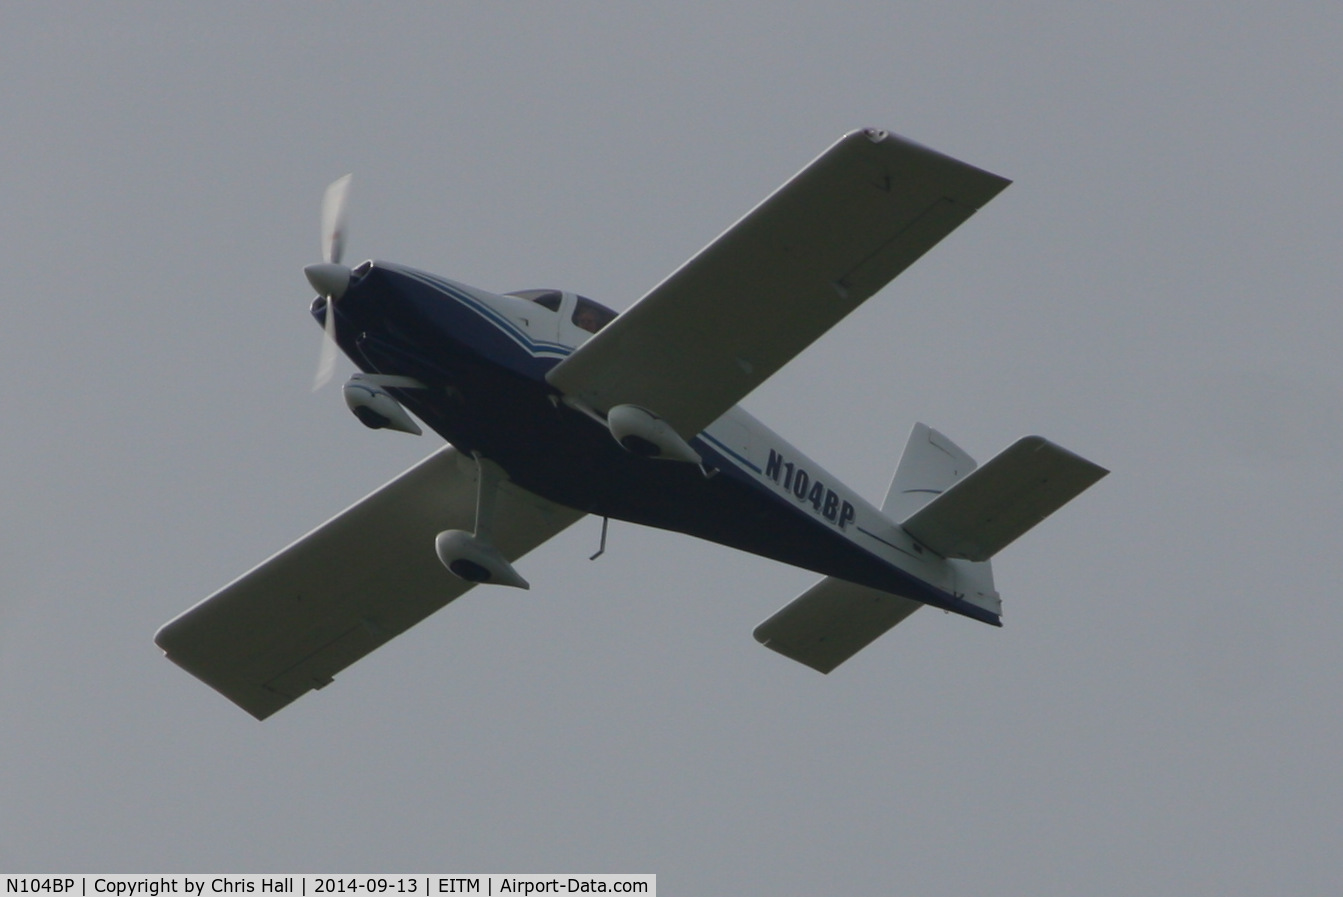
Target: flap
x: 776, y: 280
x: 986, y: 511
x: 354, y: 583
x: 831, y: 622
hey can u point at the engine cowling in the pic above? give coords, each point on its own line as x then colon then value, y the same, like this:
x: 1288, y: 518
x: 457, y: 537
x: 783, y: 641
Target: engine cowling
x: 375, y: 407
x: 476, y: 560
x: 645, y: 434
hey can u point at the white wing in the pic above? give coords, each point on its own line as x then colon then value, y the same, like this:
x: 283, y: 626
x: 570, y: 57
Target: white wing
x: 354, y: 583
x: 730, y: 317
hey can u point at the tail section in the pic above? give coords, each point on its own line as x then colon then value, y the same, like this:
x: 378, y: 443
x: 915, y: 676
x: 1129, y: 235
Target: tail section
x: 931, y: 464
x: 984, y: 512
x: 962, y: 512
x: 832, y: 621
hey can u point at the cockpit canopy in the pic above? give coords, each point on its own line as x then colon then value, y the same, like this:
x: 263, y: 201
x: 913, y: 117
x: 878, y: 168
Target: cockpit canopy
x: 587, y: 315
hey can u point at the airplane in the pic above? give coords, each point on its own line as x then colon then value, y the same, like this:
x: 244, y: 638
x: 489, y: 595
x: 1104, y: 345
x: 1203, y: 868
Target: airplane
x: 555, y: 407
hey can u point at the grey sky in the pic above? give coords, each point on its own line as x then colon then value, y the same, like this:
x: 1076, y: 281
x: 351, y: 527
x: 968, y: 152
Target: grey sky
x: 1158, y: 291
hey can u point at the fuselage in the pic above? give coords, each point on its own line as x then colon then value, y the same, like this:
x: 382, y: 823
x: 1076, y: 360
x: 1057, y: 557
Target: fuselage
x: 483, y: 358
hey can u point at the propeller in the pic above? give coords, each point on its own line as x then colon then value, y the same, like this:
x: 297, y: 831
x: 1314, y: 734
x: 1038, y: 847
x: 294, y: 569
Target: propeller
x: 330, y: 278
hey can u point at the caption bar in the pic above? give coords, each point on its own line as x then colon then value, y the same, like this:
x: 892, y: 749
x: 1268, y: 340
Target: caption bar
x: 323, y: 885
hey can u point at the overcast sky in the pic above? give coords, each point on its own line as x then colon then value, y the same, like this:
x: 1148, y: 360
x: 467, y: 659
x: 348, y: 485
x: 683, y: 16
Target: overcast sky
x: 1157, y: 291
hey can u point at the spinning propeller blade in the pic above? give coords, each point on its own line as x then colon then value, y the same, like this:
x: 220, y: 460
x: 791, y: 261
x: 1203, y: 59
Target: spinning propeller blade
x: 331, y: 277
x: 333, y: 220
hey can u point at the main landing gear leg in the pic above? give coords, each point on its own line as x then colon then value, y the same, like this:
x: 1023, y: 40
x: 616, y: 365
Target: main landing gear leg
x: 473, y: 556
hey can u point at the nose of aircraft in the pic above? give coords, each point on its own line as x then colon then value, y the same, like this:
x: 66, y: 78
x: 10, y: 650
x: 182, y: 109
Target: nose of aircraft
x: 329, y: 279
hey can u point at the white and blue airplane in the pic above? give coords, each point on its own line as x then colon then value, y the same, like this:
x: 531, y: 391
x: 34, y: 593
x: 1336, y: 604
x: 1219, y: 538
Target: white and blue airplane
x: 555, y: 407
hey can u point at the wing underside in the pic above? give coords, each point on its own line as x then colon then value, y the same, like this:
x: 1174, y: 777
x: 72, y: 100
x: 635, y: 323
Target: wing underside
x: 824, y: 242
x: 359, y: 580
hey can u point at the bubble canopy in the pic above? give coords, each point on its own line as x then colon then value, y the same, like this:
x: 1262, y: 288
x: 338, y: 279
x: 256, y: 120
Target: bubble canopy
x: 586, y: 314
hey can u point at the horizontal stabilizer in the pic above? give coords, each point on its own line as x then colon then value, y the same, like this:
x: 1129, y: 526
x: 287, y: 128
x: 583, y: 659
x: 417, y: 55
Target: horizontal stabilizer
x: 987, y: 510
x: 831, y: 622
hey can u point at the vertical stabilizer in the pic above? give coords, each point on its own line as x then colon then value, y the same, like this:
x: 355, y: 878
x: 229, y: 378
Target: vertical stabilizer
x: 931, y: 465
